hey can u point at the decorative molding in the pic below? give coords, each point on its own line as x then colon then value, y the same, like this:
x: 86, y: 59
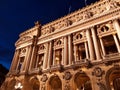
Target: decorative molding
x: 44, y: 78
x: 67, y: 75
x: 98, y: 72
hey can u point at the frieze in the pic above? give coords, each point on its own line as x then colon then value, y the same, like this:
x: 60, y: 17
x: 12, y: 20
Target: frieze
x: 23, y: 39
x: 113, y: 4
x: 82, y: 25
x: 79, y: 16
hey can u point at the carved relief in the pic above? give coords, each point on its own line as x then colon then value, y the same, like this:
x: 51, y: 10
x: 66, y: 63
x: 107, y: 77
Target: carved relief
x: 67, y: 75
x: 98, y: 72
x: 79, y: 36
x: 52, y: 29
x: 67, y: 87
x: 23, y: 52
x: 87, y: 14
x: 101, y: 86
x: 58, y: 42
x: 80, y: 15
x: 106, y: 28
x: 113, y: 4
x: 23, y: 39
x: 44, y: 78
x: 41, y: 48
x: 68, y: 22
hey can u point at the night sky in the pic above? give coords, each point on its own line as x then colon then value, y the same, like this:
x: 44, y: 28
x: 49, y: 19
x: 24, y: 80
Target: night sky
x: 17, y: 16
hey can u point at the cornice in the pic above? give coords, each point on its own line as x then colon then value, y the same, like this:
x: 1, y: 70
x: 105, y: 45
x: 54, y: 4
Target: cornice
x: 28, y: 31
x: 105, y: 17
x: 62, y: 19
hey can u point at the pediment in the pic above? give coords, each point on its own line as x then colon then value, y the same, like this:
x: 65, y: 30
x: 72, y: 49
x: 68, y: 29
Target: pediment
x: 23, y: 39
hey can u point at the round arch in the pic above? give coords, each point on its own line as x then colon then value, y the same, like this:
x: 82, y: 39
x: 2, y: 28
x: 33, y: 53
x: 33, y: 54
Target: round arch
x: 55, y: 83
x: 34, y: 83
x: 82, y: 81
x: 11, y: 84
x: 113, y: 78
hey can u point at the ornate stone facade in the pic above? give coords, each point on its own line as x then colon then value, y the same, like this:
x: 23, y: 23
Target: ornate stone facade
x: 80, y: 51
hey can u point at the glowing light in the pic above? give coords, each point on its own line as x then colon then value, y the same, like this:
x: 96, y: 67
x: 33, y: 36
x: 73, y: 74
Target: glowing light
x: 18, y: 86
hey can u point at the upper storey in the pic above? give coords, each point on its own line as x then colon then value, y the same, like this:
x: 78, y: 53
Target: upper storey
x: 80, y: 17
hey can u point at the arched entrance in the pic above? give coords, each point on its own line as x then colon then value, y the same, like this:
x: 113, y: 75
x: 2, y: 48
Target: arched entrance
x: 55, y: 83
x: 82, y: 82
x: 113, y: 79
x: 11, y: 84
x: 35, y: 84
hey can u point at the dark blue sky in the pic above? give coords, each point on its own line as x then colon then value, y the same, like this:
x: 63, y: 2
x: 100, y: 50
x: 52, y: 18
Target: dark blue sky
x: 17, y: 16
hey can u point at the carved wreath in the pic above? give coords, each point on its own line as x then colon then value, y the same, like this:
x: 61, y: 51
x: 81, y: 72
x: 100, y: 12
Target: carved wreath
x: 67, y: 75
x: 44, y: 78
x: 98, y: 72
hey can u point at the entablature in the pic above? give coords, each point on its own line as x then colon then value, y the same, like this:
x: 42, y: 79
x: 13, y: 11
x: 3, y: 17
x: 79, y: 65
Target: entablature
x: 108, y: 16
x: 94, y: 10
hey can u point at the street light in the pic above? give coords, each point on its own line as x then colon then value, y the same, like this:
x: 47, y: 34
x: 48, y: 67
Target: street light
x: 18, y: 86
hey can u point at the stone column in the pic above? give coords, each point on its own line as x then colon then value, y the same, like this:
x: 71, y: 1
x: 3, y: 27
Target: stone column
x: 95, y: 42
x: 117, y: 27
x: 50, y: 56
x: 33, y: 57
x: 62, y: 56
x: 75, y: 54
x: 28, y: 59
x: 45, y: 61
x: 90, y: 45
x: 116, y: 42
x: 14, y: 61
x: 54, y: 57
x: 70, y: 49
x: 65, y: 51
x: 102, y: 46
x: 37, y: 60
x: 86, y: 50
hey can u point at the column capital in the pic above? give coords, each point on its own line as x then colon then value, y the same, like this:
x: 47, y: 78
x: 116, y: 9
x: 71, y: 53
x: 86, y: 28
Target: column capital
x: 92, y: 27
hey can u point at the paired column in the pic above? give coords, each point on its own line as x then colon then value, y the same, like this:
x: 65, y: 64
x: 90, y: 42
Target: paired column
x: 45, y: 61
x: 28, y: 58
x: 86, y: 50
x: 14, y: 61
x: 117, y: 27
x: 65, y: 50
x: 75, y: 53
x: 50, y: 56
x: 95, y: 42
x: 116, y: 42
x: 102, y: 46
x: 54, y: 57
x: 90, y: 45
x: 70, y: 49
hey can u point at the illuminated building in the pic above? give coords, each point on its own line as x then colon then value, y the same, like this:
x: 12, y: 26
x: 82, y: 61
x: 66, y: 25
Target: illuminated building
x: 80, y: 51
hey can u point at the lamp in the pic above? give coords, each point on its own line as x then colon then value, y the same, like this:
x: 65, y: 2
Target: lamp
x: 18, y: 86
